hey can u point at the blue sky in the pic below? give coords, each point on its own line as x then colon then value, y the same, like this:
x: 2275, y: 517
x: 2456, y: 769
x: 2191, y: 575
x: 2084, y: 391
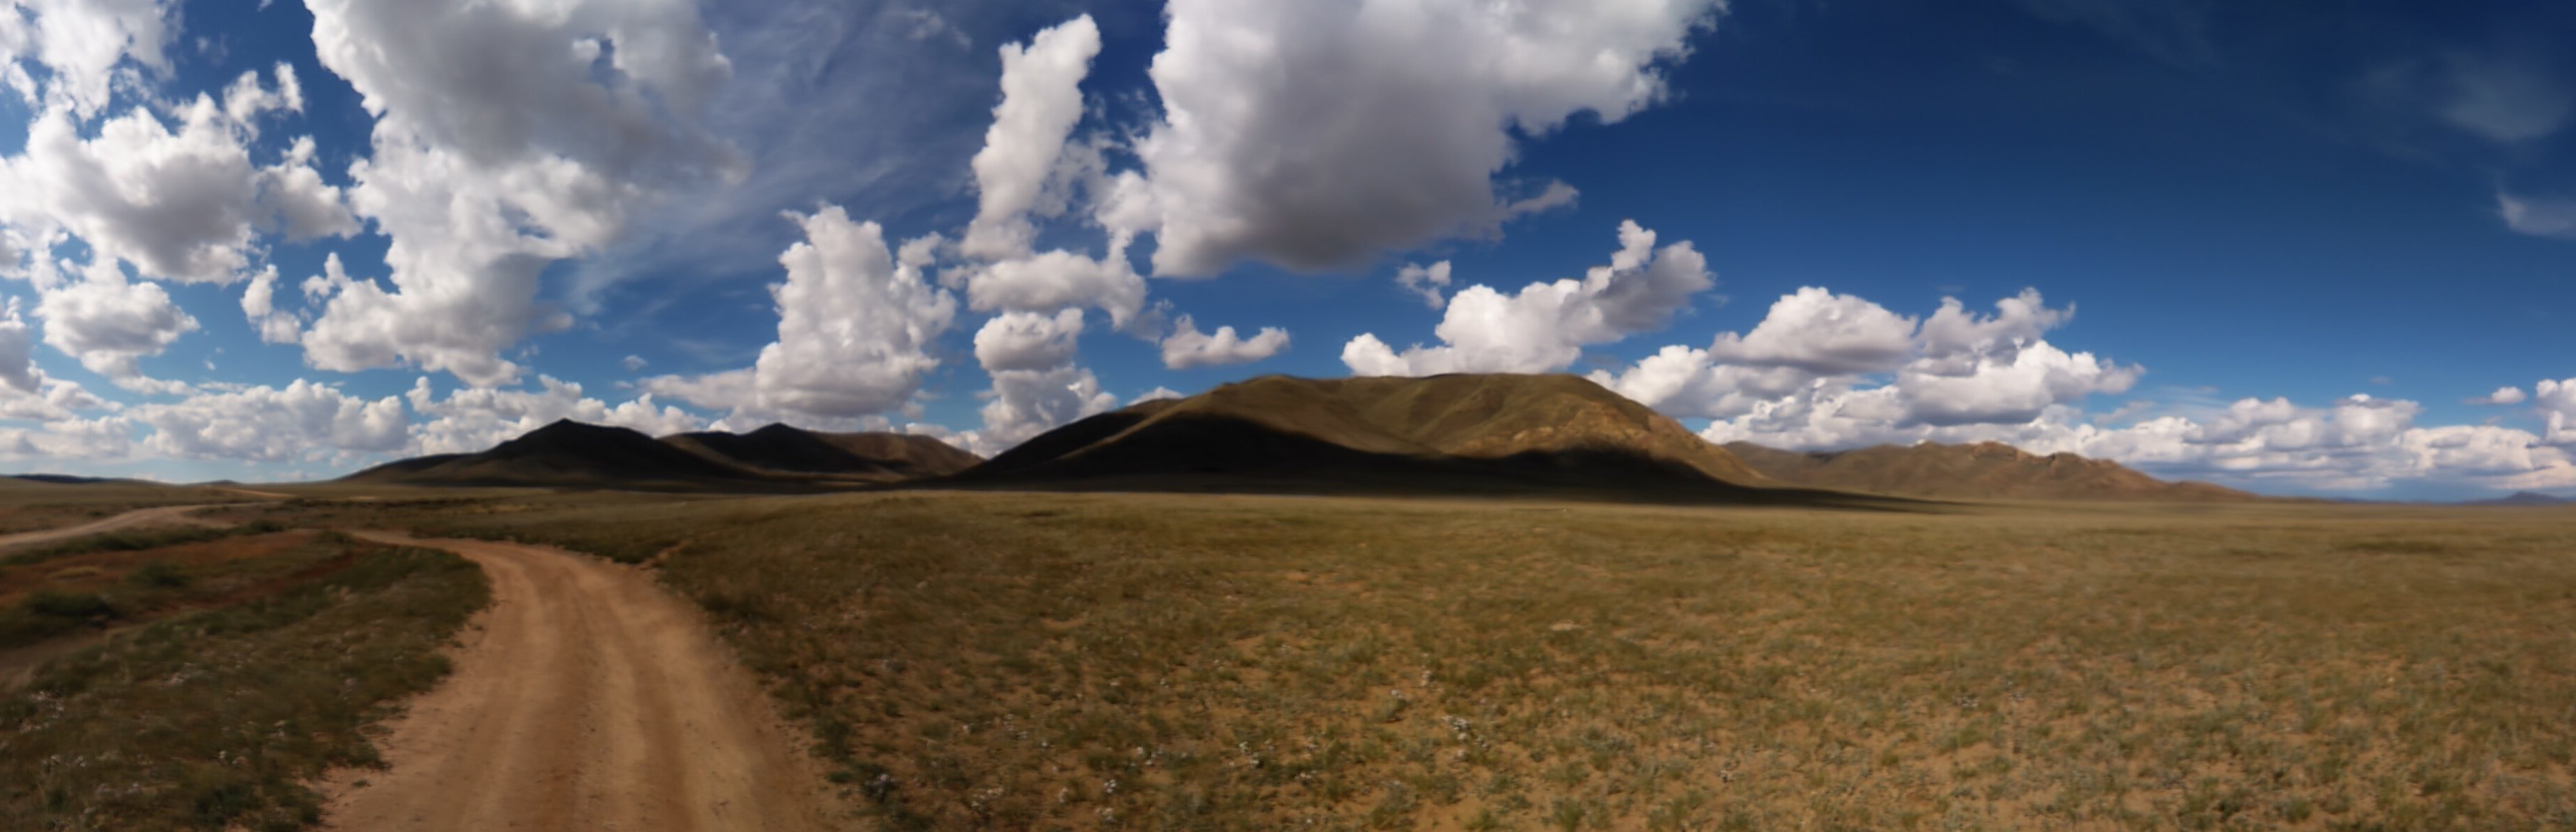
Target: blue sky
x: 2282, y: 251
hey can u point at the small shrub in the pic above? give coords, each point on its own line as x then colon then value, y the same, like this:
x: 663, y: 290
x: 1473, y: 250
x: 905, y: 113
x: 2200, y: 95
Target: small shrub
x: 72, y: 605
x: 160, y: 574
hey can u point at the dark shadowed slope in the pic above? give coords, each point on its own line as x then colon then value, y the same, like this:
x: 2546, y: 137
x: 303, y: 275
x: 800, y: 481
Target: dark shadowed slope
x: 1547, y: 435
x: 875, y: 457
x: 566, y: 453
x: 2524, y: 498
x: 1982, y: 471
x: 773, y: 459
x: 68, y: 479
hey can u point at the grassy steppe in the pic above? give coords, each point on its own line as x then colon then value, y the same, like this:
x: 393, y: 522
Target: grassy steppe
x: 267, y: 656
x: 1163, y: 662
x: 33, y: 506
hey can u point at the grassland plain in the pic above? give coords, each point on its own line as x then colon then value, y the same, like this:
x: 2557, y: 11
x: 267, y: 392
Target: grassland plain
x: 30, y: 506
x: 267, y: 655
x: 132, y: 574
x: 1041, y: 661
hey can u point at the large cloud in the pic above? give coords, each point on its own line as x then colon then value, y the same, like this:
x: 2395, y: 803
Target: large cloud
x: 268, y: 424
x: 2015, y: 386
x: 26, y: 392
x: 1041, y: 102
x: 1824, y: 333
x: 81, y: 45
x: 1036, y: 384
x: 111, y: 323
x: 1028, y: 341
x: 1028, y: 166
x: 1317, y: 134
x: 2358, y: 443
x: 1546, y: 325
x: 1053, y: 280
x: 1025, y: 403
x: 2557, y: 402
x: 855, y: 325
x: 508, y: 135
x: 1834, y: 372
x: 103, y: 439
x: 184, y: 204
x: 1824, y: 360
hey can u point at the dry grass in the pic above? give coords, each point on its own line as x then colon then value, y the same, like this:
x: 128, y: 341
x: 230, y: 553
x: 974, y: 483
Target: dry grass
x: 34, y: 506
x: 1105, y: 661
x: 215, y: 719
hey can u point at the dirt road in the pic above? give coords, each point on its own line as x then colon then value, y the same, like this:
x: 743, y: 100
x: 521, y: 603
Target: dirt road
x: 584, y: 698
x: 162, y: 516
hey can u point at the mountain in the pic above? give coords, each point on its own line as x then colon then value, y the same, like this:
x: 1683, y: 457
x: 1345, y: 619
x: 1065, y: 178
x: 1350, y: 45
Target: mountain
x: 784, y: 450
x: 1982, y: 471
x: 69, y: 479
x: 1453, y: 434
x: 774, y: 458
x: 2524, y: 498
x: 566, y: 453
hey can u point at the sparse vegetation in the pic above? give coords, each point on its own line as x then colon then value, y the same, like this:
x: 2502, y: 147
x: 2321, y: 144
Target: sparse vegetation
x: 27, y: 506
x: 1122, y: 661
x: 215, y: 719
x: 129, y: 576
x: 134, y: 540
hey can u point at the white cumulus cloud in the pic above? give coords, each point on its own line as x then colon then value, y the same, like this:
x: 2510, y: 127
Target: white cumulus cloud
x: 82, y: 46
x: 110, y: 323
x: 259, y: 305
x: 1041, y: 103
x: 855, y: 328
x: 1025, y: 403
x: 1028, y: 340
x: 1187, y: 347
x: 2502, y: 396
x: 181, y: 201
x: 1546, y: 325
x: 508, y: 135
x: 1823, y: 333
x: 1428, y: 281
x: 270, y: 424
x: 1315, y: 135
x: 26, y: 392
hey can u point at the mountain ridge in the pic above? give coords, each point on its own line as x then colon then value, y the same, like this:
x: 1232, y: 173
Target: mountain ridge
x: 1981, y: 470
x: 786, y: 450
x: 573, y: 454
x: 1458, y: 434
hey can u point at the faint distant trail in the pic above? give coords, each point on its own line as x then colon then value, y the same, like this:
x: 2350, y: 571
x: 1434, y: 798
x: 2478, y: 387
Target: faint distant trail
x: 587, y: 698
x: 164, y: 515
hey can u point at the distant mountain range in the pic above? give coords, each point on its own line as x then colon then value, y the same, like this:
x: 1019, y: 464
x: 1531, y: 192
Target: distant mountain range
x: 773, y: 458
x: 1462, y: 434
x: 1982, y: 471
x: 68, y: 479
x: 2524, y: 498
